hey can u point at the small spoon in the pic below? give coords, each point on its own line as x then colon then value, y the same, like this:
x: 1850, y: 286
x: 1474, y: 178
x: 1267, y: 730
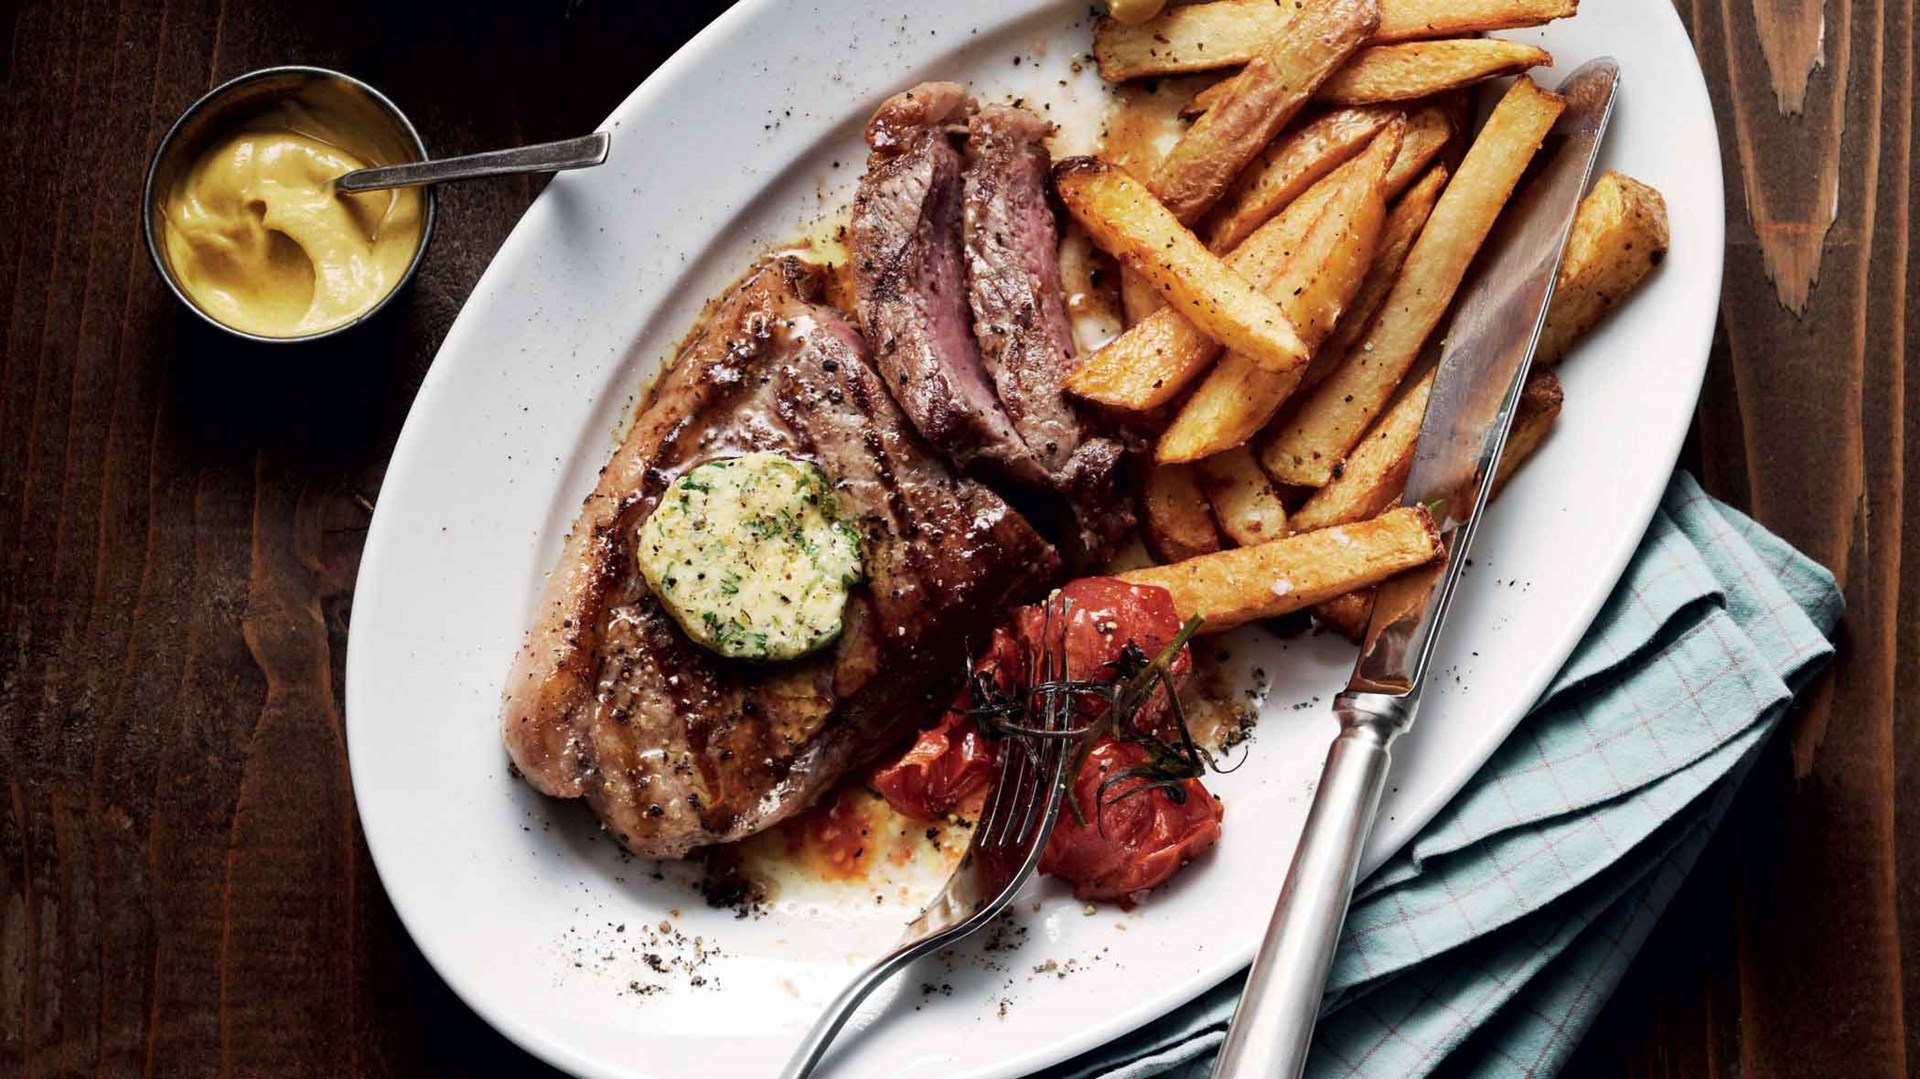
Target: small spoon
x: 581, y: 153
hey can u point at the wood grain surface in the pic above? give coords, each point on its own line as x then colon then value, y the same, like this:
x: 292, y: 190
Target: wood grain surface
x: 183, y: 886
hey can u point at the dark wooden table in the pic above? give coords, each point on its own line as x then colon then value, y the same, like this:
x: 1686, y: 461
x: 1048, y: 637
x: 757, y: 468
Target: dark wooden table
x: 183, y: 887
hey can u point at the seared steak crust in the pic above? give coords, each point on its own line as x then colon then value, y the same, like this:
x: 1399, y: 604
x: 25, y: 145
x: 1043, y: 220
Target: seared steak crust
x: 910, y: 285
x: 676, y: 747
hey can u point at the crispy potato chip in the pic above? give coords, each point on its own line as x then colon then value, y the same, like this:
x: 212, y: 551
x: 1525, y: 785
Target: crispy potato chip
x: 1333, y: 416
x: 1233, y: 587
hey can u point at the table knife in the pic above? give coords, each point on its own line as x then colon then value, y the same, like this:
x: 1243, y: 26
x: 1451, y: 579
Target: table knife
x: 1482, y: 365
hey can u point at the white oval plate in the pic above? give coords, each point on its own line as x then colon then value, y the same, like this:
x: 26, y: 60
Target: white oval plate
x: 749, y: 132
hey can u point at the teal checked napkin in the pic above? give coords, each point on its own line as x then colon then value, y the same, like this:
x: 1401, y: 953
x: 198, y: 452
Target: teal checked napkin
x: 1493, y: 939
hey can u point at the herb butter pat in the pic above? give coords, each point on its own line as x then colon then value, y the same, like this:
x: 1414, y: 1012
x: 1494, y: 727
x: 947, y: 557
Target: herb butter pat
x: 750, y: 557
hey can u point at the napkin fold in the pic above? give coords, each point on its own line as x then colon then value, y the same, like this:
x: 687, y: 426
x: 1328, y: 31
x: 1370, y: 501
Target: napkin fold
x: 1493, y: 939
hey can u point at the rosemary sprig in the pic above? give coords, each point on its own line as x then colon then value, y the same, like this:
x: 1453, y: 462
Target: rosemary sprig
x: 1051, y: 694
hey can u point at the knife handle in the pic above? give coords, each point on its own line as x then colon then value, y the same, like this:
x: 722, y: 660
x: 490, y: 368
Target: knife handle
x: 1273, y: 1025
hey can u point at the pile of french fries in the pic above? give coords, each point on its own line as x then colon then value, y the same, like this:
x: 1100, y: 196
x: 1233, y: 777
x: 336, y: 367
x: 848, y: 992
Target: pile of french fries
x: 1305, y: 238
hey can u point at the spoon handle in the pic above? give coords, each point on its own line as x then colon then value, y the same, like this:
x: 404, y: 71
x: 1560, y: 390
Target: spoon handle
x: 580, y: 153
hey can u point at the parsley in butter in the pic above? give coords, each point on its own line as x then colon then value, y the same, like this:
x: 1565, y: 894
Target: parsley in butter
x: 750, y: 557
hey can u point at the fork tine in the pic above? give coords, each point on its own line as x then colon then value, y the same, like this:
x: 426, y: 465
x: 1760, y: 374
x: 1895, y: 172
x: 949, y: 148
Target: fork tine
x: 1004, y: 799
x: 1057, y: 716
x: 1019, y: 781
x: 1053, y: 763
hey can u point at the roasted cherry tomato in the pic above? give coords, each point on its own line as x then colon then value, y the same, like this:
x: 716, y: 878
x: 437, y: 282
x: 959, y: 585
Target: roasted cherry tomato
x: 948, y: 761
x: 1133, y: 838
x: 1138, y: 837
x: 1104, y: 614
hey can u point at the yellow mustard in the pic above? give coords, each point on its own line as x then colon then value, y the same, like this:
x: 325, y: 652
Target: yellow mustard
x: 259, y: 239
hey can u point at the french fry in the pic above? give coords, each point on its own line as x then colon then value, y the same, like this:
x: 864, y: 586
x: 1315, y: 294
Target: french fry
x: 1333, y: 416
x: 1233, y: 587
x: 1150, y: 363
x: 1287, y: 168
x: 1404, y: 223
x: 1145, y: 367
x: 1619, y: 235
x: 1406, y: 20
x: 1297, y: 161
x: 1300, y: 53
x: 1206, y: 98
x: 1416, y: 69
x: 1227, y: 33
x: 1599, y: 260
x: 1371, y: 478
x: 1429, y: 129
x: 1154, y: 360
x: 1127, y: 222
x: 1324, y: 271
x: 1134, y: 12
x: 1175, y: 519
x: 1138, y: 298
x: 1383, y: 74
x: 1245, y: 504
x: 1139, y: 156
x: 1347, y: 614
x: 1196, y: 37
x: 1540, y: 401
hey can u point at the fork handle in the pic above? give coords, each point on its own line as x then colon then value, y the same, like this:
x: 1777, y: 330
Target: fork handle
x: 1273, y: 1025
x: 807, y: 1056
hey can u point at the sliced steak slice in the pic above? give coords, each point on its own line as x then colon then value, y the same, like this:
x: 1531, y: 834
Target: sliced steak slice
x: 1020, y: 320
x: 1013, y: 279
x: 910, y: 280
x: 672, y: 745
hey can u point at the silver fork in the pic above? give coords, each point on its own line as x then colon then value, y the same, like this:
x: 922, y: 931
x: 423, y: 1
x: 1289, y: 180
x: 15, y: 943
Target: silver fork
x: 1007, y: 843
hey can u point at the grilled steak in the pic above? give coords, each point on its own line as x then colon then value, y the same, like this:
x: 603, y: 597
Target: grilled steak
x: 676, y: 747
x: 910, y: 285
x: 1020, y: 319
